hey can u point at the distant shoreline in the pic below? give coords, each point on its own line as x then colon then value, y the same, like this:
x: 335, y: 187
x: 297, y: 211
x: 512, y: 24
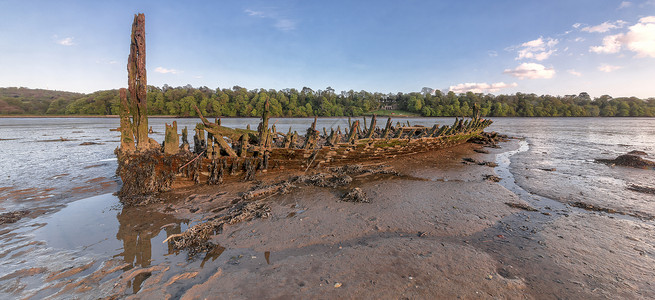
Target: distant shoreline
x: 310, y: 117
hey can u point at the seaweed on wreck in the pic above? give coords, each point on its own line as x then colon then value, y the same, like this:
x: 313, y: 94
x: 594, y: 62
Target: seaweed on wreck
x: 252, y: 205
x: 197, y: 238
x: 12, y: 216
x: 146, y: 174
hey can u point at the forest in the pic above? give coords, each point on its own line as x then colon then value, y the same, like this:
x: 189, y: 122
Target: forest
x: 241, y: 102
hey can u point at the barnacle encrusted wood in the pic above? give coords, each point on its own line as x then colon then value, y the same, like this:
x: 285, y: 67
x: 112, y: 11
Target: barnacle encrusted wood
x: 137, y: 82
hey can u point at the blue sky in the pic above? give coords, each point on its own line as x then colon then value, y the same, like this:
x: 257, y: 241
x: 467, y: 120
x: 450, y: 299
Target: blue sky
x: 500, y: 47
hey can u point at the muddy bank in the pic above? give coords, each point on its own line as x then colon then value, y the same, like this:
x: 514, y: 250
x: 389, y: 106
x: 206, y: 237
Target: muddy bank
x: 438, y: 230
x: 434, y: 228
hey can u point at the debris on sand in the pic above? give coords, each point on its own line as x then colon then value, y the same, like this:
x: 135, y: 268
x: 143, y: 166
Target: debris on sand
x: 252, y: 204
x: 521, y: 206
x: 492, y: 178
x: 354, y: 170
x: 323, y: 180
x: 12, y: 217
x: 468, y: 160
x: 196, y: 239
x: 489, y: 139
x: 356, y: 195
x: 588, y: 206
x: 642, y: 189
x: 278, y: 188
x: 629, y: 160
x: 90, y: 143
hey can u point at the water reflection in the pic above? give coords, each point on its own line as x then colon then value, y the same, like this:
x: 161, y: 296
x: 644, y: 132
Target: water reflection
x: 139, y: 229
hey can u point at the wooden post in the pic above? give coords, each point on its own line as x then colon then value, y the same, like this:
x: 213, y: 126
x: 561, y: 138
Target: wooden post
x: 311, y: 136
x: 243, y: 147
x: 385, y: 134
x: 185, y: 138
x: 199, y: 140
x: 292, y: 141
x: 332, y: 138
x: 353, y: 131
x: 171, y: 139
x: 127, y: 132
x: 263, y: 126
x: 371, y: 130
x: 137, y: 82
x: 287, y: 138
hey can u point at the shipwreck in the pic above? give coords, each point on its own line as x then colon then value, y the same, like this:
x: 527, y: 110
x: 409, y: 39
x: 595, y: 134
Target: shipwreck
x: 221, y: 154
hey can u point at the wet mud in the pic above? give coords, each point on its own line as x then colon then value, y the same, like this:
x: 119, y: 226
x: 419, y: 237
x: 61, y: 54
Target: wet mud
x: 434, y: 228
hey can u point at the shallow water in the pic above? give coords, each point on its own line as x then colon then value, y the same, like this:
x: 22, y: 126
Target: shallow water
x: 570, y: 147
x: 43, y: 165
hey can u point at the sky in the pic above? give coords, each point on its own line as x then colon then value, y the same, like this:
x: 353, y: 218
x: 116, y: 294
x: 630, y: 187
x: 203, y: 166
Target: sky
x: 500, y: 47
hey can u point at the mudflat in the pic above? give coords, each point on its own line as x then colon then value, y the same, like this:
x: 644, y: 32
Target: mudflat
x: 437, y: 227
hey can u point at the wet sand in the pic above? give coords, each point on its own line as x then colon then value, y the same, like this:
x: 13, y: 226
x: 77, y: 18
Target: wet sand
x: 439, y: 230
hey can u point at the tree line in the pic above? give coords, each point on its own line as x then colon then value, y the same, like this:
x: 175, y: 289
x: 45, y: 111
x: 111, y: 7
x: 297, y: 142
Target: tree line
x: 241, y: 102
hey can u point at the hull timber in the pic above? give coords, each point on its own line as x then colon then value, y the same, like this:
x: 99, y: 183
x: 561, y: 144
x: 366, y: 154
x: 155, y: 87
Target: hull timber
x: 155, y: 171
x: 224, y: 154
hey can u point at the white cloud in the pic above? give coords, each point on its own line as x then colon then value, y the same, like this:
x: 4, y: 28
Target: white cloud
x: 608, y: 68
x: 611, y: 44
x: 492, y: 53
x: 531, y: 71
x: 66, y: 41
x: 574, y: 72
x: 281, y: 23
x: 640, y: 38
x: 285, y: 25
x: 534, y: 43
x: 166, y: 71
x: 536, y: 49
x: 579, y: 39
x: 648, y: 3
x: 576, y: 25
x: 605, y: 26
x: 480, y: 87
x: 253, y: 13
x: 625, y: 4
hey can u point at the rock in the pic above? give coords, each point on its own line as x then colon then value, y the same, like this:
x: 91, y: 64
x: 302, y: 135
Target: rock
x: 481, y: 151
x: 470, y: 160
x: 548, y: 169
x: 642, y: 189
x: 637, y: 152
x: 521, y: 206
x: 492, y: 178
x: 12, y: 217
x: 337, y: 285
x: 629, y: 160
x: 488, y: 164
x: 356, y: 195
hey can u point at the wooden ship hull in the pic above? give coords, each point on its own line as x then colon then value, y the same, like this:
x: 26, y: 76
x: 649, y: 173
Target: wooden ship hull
x: 224, y: 154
